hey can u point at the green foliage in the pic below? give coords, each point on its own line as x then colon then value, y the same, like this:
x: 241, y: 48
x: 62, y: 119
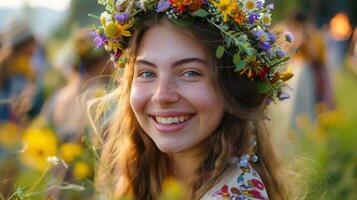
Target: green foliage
x: 330, y: 145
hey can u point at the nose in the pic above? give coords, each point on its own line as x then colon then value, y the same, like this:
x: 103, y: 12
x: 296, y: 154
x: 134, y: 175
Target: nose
x: 166, y: 92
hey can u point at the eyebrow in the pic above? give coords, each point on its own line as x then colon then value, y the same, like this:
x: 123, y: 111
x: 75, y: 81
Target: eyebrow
x: 175, y: 64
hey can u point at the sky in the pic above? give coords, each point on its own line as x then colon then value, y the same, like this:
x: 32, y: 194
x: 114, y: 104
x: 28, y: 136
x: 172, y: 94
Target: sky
x: 59, y: 5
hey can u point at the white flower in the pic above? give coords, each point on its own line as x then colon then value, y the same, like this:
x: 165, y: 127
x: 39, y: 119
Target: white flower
x: 249, y: 5
x: 266, y: 19
x: 53, y: 160
x: 105, y: 18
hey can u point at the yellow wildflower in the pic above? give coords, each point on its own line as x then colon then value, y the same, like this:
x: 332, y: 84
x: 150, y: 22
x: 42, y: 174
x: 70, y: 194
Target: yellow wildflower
x: 70, y: 151
x: 40, y: 144
x: 82, y: 170
x: 172, y: 189
x: 288, y: 74
x: 225, y: 6
x: 114, y: 30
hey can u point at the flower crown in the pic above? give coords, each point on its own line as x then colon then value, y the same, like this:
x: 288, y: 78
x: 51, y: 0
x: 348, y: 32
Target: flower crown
x: 244, y: 24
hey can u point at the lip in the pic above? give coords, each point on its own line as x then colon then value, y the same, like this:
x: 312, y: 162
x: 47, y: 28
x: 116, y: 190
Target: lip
x: 170, y: 128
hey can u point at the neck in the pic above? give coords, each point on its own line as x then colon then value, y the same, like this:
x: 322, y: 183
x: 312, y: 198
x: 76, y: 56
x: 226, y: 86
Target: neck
x: 184, y: 166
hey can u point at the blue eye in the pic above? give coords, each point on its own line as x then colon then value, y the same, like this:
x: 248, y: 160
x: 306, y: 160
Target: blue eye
x: 147, y: 75
x: 192, y: 73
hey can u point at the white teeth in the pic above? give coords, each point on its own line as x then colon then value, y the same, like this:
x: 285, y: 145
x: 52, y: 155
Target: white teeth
x: 171, y: 120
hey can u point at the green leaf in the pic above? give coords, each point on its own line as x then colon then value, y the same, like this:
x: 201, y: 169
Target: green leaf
x: 263, y: 87
x: 200, y: 13
x: 236, y: 58
x: 241, y: 65
x: 219, y: 51
x: 249, y: 52
x: 229, y: 41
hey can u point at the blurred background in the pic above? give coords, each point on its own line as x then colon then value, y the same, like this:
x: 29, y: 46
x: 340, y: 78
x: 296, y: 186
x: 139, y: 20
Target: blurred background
x: 49, y: 65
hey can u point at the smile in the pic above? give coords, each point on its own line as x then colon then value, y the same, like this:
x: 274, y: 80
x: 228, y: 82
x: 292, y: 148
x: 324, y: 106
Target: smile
x: 172, y: 120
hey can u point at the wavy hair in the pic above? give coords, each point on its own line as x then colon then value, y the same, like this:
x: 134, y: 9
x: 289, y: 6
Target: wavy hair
x: 131, y: 164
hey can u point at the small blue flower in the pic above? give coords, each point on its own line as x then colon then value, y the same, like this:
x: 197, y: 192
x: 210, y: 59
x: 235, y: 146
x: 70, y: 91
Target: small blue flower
x: 280, y: 53
x: 272, y: 37
x: 289, y: 36
x: 264, y: 46
x: 270, y: 7
x: 252, y: 18
x: 260, y: 5
x: 262, y: 36
x: 99, y: 39
x: 163, y: 5
x: 122, y: 17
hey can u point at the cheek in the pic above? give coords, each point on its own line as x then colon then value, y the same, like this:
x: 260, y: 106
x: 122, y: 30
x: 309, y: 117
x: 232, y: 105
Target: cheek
x: 203, y: 98
x: 138, y: 98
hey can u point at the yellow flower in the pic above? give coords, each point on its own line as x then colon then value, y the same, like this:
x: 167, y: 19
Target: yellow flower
x: 82, y: 170
x: 114, y: 30
x: 70, y: 151
x: 288, y: 74
x: 39, y: 145
x: 225, y: 6
x: 9, y: 135
x: 172, y: 189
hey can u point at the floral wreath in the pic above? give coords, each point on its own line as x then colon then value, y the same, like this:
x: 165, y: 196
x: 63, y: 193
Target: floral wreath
x: 254, y: 49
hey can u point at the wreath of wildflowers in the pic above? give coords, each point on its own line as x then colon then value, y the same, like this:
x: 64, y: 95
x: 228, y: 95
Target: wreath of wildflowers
x: 244, y: 24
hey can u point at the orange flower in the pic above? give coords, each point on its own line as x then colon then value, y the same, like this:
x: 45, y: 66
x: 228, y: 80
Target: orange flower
x: 238, y: 15
x: 181, y: 5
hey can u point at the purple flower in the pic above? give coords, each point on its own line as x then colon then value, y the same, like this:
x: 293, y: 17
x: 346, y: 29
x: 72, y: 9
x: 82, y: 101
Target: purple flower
x: 253, y: 17
x: 163, y: 5
x: 122, y: 17
x: 283, y: 96
x: 99, y: 39
x: 289, y: 36
x: 270, y: 7
x: 264, y: 46
x: 280, y: 53
x: 260, y: 5
x: 262, y: 36
x: 272, y: 37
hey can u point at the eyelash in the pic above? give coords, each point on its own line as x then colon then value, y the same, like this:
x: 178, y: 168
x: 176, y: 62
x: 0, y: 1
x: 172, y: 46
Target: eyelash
x: 142, y: 74
x: 191, y: 72
x: 149, y: 74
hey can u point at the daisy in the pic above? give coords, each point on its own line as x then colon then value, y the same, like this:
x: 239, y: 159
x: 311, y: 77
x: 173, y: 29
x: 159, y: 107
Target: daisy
x: 266, y: 19
x: 249, y: 5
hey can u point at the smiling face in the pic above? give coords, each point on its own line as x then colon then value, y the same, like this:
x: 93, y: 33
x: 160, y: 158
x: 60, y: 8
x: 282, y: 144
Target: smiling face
x: 173, y: 95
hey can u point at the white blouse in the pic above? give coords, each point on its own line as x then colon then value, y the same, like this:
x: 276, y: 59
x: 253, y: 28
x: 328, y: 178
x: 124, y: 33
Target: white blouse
x: 242, y: 183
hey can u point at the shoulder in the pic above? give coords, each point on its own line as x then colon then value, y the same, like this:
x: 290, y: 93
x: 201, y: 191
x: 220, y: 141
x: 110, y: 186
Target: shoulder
x: 241, y: 183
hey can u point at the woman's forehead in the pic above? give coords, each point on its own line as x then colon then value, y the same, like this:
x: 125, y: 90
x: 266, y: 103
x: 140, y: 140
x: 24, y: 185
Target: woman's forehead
x: 165, y: 41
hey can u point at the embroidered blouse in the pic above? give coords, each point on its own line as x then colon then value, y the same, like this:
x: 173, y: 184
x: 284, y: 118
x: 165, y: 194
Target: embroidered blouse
x: 242, y: 183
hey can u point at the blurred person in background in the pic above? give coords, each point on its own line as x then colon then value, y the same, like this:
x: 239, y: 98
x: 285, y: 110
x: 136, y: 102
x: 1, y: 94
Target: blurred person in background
x: 352, y: 53
x: 313, y: 90
x: 63, y: 111
x: 20, y: 94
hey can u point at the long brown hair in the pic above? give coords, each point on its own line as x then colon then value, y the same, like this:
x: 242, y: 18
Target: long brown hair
x: 130, y: 162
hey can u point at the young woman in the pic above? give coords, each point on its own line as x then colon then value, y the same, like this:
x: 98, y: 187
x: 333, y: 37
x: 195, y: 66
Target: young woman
x: 191, y: 100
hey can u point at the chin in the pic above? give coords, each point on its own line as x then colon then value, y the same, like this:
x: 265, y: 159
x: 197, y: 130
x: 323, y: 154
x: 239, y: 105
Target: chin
x: 168, y: 148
